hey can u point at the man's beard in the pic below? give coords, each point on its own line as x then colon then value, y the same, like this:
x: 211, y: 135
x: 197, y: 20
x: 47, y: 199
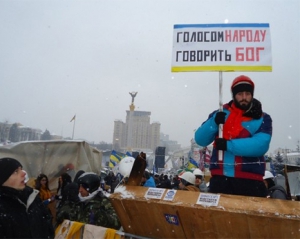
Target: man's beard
x: 243, y: 105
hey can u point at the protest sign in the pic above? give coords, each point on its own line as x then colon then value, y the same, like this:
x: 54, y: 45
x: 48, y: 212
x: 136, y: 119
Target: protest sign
x: 222, y: 47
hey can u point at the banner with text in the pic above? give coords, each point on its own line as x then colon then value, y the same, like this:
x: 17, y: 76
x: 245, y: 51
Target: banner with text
x: 222, y: 47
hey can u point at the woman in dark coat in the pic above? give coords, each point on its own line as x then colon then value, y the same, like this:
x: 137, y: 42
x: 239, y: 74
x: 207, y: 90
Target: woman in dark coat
x: 63, y: 181
x: 22, y: 213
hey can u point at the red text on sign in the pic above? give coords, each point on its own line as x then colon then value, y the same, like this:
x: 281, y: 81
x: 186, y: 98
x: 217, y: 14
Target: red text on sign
x: 248, y: 53
x: 245, y: 35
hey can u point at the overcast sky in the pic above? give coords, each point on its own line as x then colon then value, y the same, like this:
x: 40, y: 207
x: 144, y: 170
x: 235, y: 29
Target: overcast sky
x: 60, y: 58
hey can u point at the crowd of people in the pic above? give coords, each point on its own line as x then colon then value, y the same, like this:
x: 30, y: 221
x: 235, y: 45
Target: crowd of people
x: 240, y: 133
x: 178, y: 182
x: 190, y: 181
x: 25, y: 211
x: 35, y: 211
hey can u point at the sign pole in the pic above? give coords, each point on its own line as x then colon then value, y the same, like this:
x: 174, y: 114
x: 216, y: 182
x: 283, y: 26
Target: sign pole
x: 220, y: 152
x: 73, y: 128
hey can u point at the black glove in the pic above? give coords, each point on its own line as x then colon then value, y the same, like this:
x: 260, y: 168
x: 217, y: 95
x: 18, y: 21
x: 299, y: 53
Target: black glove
x: 221, y: 144
x: 220, y: 117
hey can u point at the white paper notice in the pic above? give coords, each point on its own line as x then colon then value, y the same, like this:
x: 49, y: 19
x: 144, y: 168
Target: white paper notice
x: 156, y: 193
x: 208, y: 199
x: 170, y: 195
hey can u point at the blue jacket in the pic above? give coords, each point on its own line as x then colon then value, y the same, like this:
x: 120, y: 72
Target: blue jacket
x: 150, y: 183
x: 244, y: 157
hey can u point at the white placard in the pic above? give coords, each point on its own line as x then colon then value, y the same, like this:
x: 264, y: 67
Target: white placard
x: 156, y: 193
x: 170, y: 194
x: 222, y: 47
x: 208, y: 199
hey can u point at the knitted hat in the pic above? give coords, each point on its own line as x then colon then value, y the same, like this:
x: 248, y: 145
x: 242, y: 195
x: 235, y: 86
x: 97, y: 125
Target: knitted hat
x: 7, y: 167
x: 242, y: 83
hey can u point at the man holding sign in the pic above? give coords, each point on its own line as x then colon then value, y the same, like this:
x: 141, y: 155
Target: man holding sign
x: 246, y: 137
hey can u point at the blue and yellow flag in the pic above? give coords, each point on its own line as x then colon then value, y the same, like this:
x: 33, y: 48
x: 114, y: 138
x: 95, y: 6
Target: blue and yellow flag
x: 115, y: 158
x: 192, y: 164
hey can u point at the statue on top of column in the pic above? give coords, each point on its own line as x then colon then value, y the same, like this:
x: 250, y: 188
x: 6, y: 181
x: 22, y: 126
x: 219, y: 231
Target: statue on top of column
x: 133, y: 94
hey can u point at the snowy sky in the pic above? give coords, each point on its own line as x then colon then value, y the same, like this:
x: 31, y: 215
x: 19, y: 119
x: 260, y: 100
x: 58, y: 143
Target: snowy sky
x: 60, y: 58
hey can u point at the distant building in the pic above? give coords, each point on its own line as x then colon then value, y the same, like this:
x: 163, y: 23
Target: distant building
x: 16, y: 132
x: 293, y: 158
x: 56, y: 137
x: 4, y: 131
x: 171, y: 145
x: 290, y: 157
x: 137, y: 133
x: 29, y: 134
x: 20, y: 133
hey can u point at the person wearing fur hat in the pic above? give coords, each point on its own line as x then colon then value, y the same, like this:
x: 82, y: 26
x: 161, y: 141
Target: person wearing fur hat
x: 22, y: 213
x: 247, y: 132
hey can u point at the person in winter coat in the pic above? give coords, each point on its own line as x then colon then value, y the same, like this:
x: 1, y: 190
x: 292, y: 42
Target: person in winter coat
x: 42, y: 185
x: 69, y: 200
x: 94, y: 207
x: 22, y: 213
x: 63, y: 181
x: 156, y: 179
x: 187, y: 182
x: 274, y: 191
x: 175, y: 182
x: 165, y: 183
x: 111, y: 181
x: 247, y: 132
x: 200, y: 182
x: 148, y: 180
x: 66, y: 209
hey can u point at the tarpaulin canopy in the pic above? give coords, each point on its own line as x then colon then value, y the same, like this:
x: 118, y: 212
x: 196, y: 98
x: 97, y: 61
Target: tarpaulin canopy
x: 54, y: 158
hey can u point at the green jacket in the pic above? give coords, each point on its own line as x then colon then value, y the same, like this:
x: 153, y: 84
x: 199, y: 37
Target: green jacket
x: 96, y: 211
x: 66, y: 211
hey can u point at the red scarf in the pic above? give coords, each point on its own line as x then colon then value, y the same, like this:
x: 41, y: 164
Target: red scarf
x: 233, y: 125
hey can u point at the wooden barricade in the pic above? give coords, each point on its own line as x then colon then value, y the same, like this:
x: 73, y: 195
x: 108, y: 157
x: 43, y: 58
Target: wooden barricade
x: 233, y: 217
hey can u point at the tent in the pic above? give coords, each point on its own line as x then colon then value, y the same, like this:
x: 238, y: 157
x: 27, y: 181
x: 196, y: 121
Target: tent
x: 53, y: 158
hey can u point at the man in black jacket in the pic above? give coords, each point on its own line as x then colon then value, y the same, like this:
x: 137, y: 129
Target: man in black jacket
x: 22, y: 213
x: 165, y: 183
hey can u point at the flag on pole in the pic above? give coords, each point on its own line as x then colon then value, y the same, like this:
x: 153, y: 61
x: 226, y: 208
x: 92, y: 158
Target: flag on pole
x: 74, y: 117
x: 192, y: 164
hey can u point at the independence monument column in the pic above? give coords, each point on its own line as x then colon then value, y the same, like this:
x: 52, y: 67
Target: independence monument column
x: 131, y: 107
